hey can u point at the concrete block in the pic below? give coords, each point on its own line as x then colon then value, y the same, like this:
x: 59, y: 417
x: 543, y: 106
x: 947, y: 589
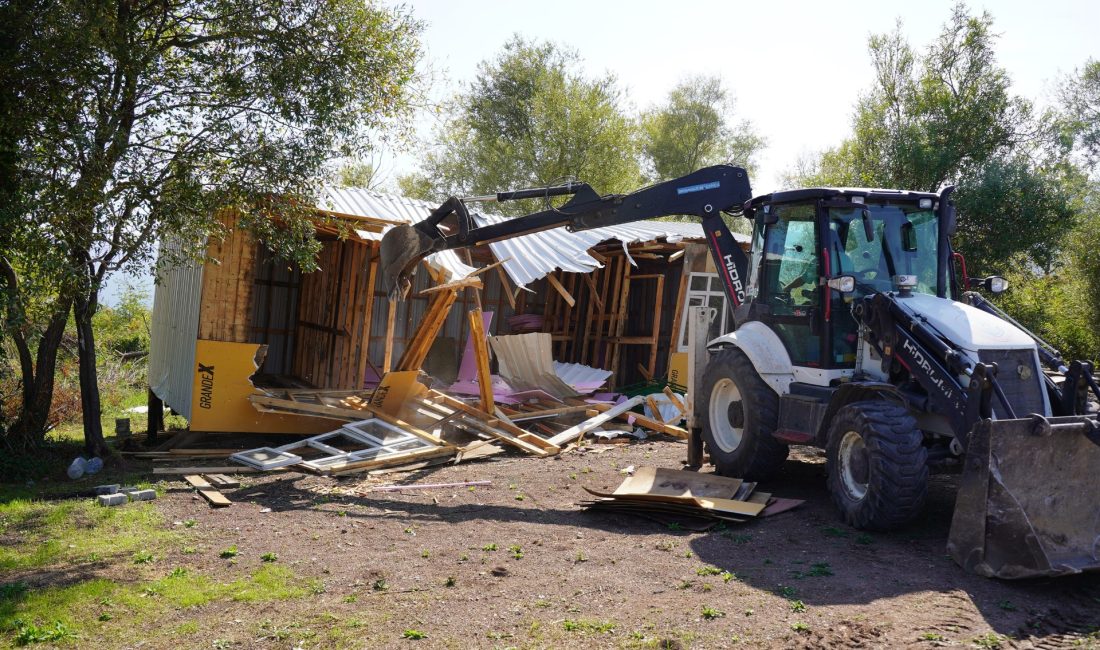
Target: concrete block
x: 143, y: 495
x: 127, y: 489
x: 106, y: 489
x: 112, y: 499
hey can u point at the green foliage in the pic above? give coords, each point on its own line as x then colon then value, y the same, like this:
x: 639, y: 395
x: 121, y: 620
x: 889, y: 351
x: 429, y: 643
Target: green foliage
x: 691, y: 130
x: 134, y: 121
x: 947, y: 116
x: 415, y: 635
x: 529, y: 120
x: 27, y: 633
x: 710, y: 613
x: 1010, y: 207
x: 1080, y: 95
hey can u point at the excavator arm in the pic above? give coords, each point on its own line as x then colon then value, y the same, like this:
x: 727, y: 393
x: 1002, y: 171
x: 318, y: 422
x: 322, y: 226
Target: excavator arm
x: 705, y: 193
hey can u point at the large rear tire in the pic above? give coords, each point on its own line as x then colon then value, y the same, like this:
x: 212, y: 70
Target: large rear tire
x: 878, y: 468
x: 741, y: 413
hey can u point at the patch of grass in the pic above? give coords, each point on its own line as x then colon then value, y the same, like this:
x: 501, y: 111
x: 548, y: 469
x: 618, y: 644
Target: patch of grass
x: 588, y: 626
x: 799, y: 626
x: 710, y: 613
x: 415, y: 635
x: 489, y: 547
x: 932, y: 636
x: 675, y: 526
x: 269, y: 557
x: 689, y: 554
x: 820, y: 570
x: 27, y: 633
x: 1007, y: 606
x: 665, y: 546
x: 451, y: 581
x: 177, y: 572
x: 728, y: 576
x: 351, y: 598
x: 144, y: 557
x: 425, y: 554
x: 232, y: 551
x: 989, y: 640
x: 380, y: 585
x: 786, y: 592
x: 70, y: 531
x: 516, y: 551
x: 797, y: 606
x: 520, y: 497
x: 581, y: 557
x: 833, y: 531
x: 708, y: 571
x: 190, y: 523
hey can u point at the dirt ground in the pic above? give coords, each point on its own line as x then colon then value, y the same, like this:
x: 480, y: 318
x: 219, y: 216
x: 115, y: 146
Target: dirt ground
x: 561, y: 577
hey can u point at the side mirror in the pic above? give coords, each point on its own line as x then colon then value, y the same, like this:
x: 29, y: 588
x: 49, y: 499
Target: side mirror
x: 949, y: 220
x: 843, y: 283
x: 994, y: 284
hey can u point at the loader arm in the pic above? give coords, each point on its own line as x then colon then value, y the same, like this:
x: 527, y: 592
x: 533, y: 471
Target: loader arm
x: 705, y: 193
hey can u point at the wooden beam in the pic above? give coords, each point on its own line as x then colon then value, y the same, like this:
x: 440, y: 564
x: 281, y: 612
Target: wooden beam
x: 387, y: 358
x: 481, y: 354
x: 416, y: 349
x: 647, y: 422
x: 505, y: 288
x: 596, y: 297
x: 576, y: 431
x: 462, y: 283
x: 675, y: 399
x: 554, y: 282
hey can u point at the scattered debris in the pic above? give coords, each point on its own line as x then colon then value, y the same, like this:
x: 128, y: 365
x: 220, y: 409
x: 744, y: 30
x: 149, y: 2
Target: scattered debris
x: 664, y: 493
x: 427, y: 486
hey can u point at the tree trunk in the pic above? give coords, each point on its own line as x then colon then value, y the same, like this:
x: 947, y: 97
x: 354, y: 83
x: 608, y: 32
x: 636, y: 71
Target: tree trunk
x: 29, y: 428
x: 83, y: 309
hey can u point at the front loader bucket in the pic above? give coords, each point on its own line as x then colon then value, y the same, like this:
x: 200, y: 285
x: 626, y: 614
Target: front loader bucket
x: 1029, y: 498
x: 401, y: 249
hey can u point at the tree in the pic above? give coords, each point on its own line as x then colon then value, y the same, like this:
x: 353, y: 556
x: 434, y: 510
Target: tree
x: 528, y: 120
x: 691, y: 129
x: 360, y: 174
x: 147, y: 118
x: 1080, y: 95
x: 947, y: 116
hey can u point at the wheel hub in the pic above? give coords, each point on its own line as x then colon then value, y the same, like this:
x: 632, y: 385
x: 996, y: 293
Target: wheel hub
x: 855, y: 466
x: 727, y: 415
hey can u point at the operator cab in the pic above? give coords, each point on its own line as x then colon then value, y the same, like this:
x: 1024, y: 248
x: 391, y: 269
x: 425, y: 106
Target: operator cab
x: 884, y: 240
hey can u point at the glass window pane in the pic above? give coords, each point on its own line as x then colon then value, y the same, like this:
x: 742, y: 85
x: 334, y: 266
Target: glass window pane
x: 698, y: 282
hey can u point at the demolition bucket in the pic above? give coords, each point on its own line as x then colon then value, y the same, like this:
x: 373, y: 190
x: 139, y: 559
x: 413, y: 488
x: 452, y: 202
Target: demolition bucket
x: 1029, y: 498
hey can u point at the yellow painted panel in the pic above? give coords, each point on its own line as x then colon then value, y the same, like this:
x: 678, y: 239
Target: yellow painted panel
x: 219, y: 394
x: 678, y: 369
x: 395, y: 390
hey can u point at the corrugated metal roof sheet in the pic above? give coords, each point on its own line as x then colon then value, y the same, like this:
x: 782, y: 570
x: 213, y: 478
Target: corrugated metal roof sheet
x: 362, y: 203
x: 528, y: 258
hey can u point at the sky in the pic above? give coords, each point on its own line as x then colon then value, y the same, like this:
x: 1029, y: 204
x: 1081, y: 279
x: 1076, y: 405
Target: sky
x: 795, y: 68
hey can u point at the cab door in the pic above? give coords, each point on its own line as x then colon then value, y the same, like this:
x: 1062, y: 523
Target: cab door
x: 789, y: 284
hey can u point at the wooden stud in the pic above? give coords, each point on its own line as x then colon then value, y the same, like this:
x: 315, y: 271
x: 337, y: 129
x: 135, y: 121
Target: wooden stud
x: 387, y: 358
x: 481, y: 354
x: 505, y: 288
x: 560, y: 289
x: 675, y: 399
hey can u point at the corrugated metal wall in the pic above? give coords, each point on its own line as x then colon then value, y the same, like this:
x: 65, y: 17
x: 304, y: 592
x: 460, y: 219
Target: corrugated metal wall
x: 175, y: 326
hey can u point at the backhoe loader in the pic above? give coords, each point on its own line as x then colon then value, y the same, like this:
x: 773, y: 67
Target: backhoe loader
x: 854, y: 332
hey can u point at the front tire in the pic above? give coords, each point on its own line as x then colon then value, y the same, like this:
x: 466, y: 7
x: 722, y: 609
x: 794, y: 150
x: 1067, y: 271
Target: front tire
x: 741, y: 415
x: 878, y: 467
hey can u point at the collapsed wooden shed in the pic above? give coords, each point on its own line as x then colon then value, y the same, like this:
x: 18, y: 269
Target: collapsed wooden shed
x: 245, y: 318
